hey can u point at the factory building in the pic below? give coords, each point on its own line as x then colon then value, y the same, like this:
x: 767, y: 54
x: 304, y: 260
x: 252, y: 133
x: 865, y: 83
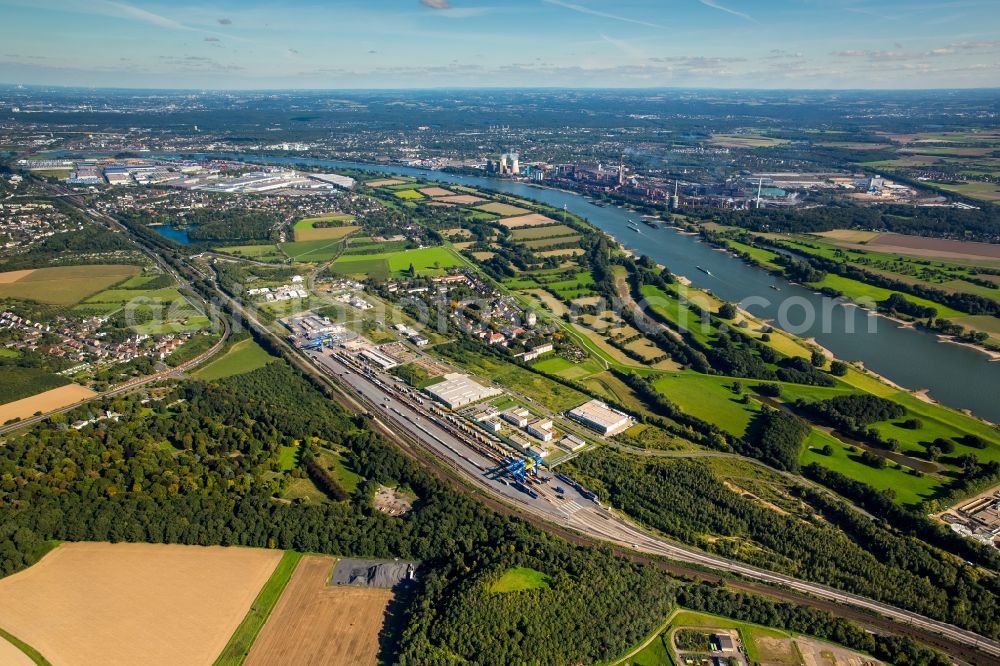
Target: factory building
x: 376, y: 357
x: 346, y: 182
x: 541, y: 430
x: 488, y: 423
x: 598, y: 416
x: 516, y: 417
x: 458, y: 390
x: 573, y: 443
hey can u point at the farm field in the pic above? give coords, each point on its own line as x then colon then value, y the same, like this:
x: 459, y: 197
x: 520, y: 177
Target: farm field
x: 306, y: 230
x: 311, y: 250
x: 44, y: 402
x: 745, y: 141
x: 244, y: 356
x: 386, y: 182
x: 242, y: 639
x: 160, y: 311
x: 314, y: 623
x: 64, y: 285
x: 435, y: 192
x: 425, y: 261
x: 408, y: 195
x: 159, y: 603
x: 461, y: 199
x: 536, y: 232
x: 259, y: 252
x: 11, y: 655
x: 14, y: 276
x: 17, y: 382
x: 545, y: 243
x: 934, y: 247
x: 529, y: 220
x: 122, y: 296
x: 974, y: 190
x: 502, y: 209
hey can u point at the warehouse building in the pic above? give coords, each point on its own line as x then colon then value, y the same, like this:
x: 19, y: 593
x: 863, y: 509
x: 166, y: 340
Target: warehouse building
x: 383, y: 361
x: 517, y: 417
x: 597, y: 415
x: 540, y: 429
x: 459, y: 390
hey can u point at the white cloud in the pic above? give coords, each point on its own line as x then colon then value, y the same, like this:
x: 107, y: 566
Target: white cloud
x: 715, y: 5
x: 594, y: 12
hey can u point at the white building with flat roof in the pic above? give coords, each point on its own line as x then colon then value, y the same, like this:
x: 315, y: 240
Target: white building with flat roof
x: 458, y: 390
x: 541, y: 430
x: 517, y: 417
x: 598, y: 416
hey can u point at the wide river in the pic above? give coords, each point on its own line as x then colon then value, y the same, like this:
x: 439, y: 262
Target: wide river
x: 954, y: 375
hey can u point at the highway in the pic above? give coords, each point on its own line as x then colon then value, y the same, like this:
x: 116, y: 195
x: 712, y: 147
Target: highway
x: 379, y: 391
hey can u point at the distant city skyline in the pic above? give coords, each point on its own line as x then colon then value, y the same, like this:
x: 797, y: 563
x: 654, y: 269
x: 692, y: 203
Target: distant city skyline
x: 257, y: 44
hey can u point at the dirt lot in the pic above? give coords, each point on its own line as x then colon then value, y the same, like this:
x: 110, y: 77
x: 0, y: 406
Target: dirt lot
x: 392, y: 501
x: 776, y: 651
x: 43, y: 402
x: 530, y: 220
x: 388, y: 182
x: 314, y: 623
x: 818, y: 653
x: 129, y: 603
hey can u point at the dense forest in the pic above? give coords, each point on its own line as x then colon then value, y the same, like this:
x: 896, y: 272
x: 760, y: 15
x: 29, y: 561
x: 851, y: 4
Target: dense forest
x: 829, y: 543
x: 200, y: 466
x: 90, y: 245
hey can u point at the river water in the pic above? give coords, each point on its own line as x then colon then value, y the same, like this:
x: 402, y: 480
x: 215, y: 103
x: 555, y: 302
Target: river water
x: 957, y: 376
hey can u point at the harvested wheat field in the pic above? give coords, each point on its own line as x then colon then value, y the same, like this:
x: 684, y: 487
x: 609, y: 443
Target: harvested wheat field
x: 12, y: 656
x: 530, y: 220
x: 314, y: 623
x: 850, y: 235
x: 385, y: 182
x: 64, y: 285
x: 934, y: 247
x: 14, y: 276
x: 131, y: 603
x: 44, y: 402
x: 502, y: 209
x: 462, y: 199
x: 436, y: 192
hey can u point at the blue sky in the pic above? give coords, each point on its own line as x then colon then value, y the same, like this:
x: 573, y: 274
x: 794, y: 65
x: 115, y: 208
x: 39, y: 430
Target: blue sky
x: 491, y: 43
